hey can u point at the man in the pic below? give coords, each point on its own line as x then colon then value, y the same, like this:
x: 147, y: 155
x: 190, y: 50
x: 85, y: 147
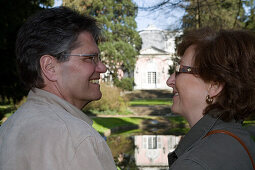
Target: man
x: 59, y: 61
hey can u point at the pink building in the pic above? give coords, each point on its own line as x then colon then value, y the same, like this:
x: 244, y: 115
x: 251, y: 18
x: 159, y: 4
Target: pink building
x: 151, y: 151
x: 152, y: 65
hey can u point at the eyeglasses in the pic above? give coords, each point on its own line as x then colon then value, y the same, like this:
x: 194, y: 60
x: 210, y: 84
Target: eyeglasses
x: 94, y: 57
x: 185, y: 69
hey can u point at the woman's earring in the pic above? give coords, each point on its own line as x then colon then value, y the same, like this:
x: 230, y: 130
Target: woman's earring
x: 209, y: 99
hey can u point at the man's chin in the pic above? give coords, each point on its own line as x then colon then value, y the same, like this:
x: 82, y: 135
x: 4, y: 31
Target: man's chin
x: 91, y: 100
x: 95, y: 98
x: 98, y: 97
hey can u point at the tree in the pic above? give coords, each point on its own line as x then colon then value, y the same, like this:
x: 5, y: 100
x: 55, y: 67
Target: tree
x: 250, y: 17
x: 13, y: 14
x: 121, y: 41
x: 218, y: 14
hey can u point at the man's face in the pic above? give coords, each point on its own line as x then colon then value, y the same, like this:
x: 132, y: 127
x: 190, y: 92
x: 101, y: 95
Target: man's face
x: 75, y: 76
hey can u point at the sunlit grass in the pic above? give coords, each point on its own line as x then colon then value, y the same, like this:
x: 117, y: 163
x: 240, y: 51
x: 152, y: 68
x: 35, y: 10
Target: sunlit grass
x: 5, y: 106
x: 129, y: 132
x: 249, y: 122
x: 151, y: 102
x: 100, y: 128
x: 103, y: 124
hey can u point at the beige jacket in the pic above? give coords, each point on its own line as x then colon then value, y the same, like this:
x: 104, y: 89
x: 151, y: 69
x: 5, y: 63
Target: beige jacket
x: 48, y: 133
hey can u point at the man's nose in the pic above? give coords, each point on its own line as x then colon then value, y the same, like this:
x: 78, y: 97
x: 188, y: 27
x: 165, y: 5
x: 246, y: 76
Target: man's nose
x: 171, y: 80
x: 100, y: 67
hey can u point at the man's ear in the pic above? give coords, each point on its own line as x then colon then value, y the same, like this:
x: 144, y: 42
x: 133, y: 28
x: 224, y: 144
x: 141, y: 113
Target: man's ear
x: 48, y: 66
x: 214, y: 89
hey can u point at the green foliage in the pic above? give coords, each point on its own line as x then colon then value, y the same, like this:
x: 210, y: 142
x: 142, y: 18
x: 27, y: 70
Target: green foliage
x: 217, y: 14
x: 121, y: 41
x: 249, y: 19
x: 177, y: 120
x: 151, y: 102
x: 214, y: 13
x: 250, y: 118
x: 6, y: 111
x: 178, y: 131
x: 7, y: 108
x: 125, y: 83
x: 12, y: 15
x: 179, y: 125
x: 110, y: 101
x: 122, y: 150
x: 176, y: 59
x: 253, y: 138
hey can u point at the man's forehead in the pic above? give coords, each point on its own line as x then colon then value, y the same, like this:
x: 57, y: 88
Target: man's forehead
x: 85, y: 40
x: 85, y: 35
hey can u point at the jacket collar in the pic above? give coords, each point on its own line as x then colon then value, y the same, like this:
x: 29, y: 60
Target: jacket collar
x: 197, y: 132
x: 42, y: 95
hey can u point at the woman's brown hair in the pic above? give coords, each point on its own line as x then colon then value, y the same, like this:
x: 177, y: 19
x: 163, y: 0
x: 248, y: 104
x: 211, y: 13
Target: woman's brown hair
x: 227, y: 57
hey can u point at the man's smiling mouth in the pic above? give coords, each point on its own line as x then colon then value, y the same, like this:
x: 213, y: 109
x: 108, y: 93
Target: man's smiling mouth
x: 94, y: 81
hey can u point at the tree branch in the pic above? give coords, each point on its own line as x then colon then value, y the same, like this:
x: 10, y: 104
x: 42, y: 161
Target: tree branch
x: 238, y: 12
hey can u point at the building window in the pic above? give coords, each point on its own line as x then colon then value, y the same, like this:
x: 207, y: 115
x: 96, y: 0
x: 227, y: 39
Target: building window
x: 152, y: 77
x: 152, y: 142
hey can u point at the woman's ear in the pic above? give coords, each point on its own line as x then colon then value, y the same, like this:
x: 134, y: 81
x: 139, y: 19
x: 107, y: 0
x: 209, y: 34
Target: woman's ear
x: 48, y: 67
x: 215, y: 88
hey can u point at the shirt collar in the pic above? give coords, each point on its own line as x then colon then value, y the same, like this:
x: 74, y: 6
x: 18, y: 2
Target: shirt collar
x: 39, y: 94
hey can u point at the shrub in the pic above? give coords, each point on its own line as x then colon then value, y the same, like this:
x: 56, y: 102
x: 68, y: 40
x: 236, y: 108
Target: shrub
x: 125, y: 83
x: 111, y: 100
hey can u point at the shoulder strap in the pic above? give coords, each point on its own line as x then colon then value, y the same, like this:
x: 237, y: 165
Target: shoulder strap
x: 237, y: 138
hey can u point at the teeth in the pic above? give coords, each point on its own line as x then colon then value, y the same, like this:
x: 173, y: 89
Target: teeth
x: 94, y: 81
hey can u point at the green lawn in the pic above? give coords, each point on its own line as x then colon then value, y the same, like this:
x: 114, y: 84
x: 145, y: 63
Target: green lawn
x: 102, y: 124
x: 150, y: 102
x: 106, y: 112
x: 249, y: 122
x: 177, y: 120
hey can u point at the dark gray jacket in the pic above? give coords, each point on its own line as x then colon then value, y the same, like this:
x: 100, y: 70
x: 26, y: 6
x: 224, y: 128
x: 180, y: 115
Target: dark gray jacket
x: 215, y: 152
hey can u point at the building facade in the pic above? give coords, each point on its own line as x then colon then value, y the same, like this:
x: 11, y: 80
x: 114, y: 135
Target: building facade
x: 158, y: 48
x: 151, y: 151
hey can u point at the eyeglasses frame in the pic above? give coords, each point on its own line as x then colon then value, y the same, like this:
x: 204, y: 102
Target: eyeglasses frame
x: 185, y: 69
x: 87, y: 56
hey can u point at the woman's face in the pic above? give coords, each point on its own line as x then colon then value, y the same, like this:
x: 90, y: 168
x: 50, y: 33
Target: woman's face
x: 189, y: 91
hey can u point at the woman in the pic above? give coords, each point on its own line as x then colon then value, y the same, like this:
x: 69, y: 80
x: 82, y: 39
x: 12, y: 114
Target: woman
x: 214, y: 89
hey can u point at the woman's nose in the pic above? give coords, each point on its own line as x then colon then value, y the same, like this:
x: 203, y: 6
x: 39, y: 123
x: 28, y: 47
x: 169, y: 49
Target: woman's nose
x: 171, y: 80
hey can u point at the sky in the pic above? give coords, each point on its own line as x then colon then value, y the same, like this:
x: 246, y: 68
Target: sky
x: 159, y: 18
